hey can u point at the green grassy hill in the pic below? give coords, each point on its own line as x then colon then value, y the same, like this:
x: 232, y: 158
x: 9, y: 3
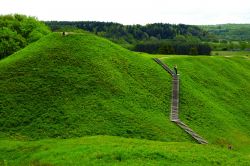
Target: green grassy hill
x: 80, y: 84
x: 214, y: 95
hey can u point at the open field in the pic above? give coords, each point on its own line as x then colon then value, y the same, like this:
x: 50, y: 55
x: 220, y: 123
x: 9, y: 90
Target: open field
x: 231, y: 53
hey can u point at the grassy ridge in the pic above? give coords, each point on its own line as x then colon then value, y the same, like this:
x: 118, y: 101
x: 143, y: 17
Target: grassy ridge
x: 103, y: 150
x: 80, y: 84
x: 214, y: 98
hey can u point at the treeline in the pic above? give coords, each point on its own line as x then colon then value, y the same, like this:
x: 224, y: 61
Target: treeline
x: 174, y: 47
x: 230, y: 45
x: 151, y: 38
x: 131, y: 34
x: 17, y: 31
x: 229, y: 32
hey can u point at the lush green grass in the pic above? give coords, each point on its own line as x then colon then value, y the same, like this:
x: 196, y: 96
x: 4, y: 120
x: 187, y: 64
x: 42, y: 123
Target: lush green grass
x: 214, y: 97
x: 80, y: 84
x: 106, y: 150
x: 231, y: 53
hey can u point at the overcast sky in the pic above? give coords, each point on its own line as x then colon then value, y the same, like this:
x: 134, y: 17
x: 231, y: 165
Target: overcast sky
x: 133, y: 11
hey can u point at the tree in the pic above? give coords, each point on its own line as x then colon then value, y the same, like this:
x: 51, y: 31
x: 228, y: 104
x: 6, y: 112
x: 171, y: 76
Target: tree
x: 16, y: 31
x: 193, y: 51
x: 10, y: 42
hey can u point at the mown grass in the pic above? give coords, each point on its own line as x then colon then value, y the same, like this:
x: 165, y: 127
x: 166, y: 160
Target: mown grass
x: 107, y: 150
x: 79, y: 85
x: 214, y: 98
x: 231, y: 53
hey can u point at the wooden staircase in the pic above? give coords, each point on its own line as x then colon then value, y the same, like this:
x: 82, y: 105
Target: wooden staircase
x: 174, y: 115
x: 175, y: 99
x: 164, y: 66
x: 197, y: 137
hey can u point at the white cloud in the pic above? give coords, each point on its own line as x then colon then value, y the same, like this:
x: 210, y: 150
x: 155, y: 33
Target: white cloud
x: 134, y: 11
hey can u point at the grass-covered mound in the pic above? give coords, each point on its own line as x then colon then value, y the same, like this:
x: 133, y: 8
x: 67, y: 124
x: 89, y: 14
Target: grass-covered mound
x: 107, y: 150
x: 214, y: 97
x: 80, y: 84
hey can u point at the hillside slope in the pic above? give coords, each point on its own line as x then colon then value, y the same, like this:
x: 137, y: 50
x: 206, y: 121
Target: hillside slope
x: 214, y: 98
x: 80, y: 84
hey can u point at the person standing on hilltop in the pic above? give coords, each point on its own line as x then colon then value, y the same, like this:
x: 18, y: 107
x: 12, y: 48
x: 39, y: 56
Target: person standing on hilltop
x: 175, y: 69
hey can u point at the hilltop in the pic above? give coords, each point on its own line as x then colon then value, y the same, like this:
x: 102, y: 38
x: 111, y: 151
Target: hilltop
x: 79, y: 85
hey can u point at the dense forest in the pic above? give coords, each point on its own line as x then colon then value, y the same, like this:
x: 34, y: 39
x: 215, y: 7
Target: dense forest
x: 151, y: 38
x: 233, y: 37
x: 229, y: 32
x: 17, y: 31
x: 131, y: 33
x: 174, y: 47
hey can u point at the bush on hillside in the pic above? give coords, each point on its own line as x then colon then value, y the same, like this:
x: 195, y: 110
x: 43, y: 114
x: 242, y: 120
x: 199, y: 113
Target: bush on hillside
x: 17, y: 31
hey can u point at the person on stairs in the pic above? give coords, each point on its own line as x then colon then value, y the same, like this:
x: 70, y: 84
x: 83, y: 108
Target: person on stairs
x: 175, y: 69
